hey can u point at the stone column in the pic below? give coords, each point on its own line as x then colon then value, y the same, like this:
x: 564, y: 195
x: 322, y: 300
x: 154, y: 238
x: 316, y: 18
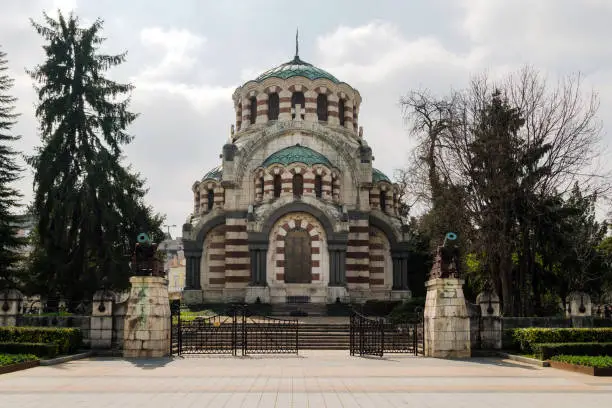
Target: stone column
x: 491, y: 322
x: 310, y: 106
x: 332, y: 110
x: 284, y: 112
x: 399, y: 258
x: 101, y: 320
x: 10, y: 307
x: 337, y: 289
x: 146, y: 332
x: 262, y: 108
x: 447, y: 323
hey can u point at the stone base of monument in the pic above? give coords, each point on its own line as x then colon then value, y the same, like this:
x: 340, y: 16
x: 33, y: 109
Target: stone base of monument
x: 147, y: 321
x: 447, y: 323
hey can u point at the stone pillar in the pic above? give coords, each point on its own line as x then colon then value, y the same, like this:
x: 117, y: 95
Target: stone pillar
x: 284, y: 112
x: 399, y: 258
x: 336, y: 289
x: 447, y: 323
x: 10, y: 307
x: 491, y: 322
x: 287, y: 183
x: 262, y: 108
x: 101, y: 320
x: 310, y: 106
x: 146, y: 332
x: 332, y: 110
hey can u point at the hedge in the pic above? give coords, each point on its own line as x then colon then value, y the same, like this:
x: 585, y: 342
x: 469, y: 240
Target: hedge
x: 8, y: 359
x: 544, y: 351
x: 589, y: 361
x: 527, y: 337
x: 68, y: 340
x: 48, y: 350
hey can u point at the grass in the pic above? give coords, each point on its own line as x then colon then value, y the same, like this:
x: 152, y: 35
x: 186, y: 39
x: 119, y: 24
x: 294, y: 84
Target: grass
x: 8, y: 359
x: 190, y: 315
x: 588, y: 361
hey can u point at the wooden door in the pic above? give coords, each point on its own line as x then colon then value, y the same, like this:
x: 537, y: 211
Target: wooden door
x: 298, y: 263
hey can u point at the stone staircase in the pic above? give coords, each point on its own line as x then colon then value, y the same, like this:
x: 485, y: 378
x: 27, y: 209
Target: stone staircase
x: 324, y: 336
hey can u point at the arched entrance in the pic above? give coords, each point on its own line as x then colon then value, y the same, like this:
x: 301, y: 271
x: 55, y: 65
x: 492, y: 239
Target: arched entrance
x: 298, y: 259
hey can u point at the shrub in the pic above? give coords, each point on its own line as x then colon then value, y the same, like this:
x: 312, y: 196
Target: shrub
x: 526, y: 338
x: 544, y: 351
x: 68, y: 340
x: 48, y: 350
x: 589, y: 361
x: 409, y: 310
x: 8, y: 359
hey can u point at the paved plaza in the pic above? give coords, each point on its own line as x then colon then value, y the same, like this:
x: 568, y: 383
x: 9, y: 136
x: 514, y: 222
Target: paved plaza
x: 315, y: 379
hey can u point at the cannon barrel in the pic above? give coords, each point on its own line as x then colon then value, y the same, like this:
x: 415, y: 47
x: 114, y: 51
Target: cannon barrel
x: 450, y: 236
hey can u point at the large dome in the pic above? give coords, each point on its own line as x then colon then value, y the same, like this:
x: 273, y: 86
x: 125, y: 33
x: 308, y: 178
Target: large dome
x: 297, y: 67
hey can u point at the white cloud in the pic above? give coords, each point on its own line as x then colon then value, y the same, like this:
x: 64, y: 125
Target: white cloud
x: 178, y: 46
x: 179, y: 50
x: 373, y: 52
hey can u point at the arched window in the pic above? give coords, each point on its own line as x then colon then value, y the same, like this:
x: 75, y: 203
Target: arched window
x: 298, y: 98
x: 277, y: 185
x: 383, y: 201
x: 322, y: 107
x: 333, y: 188
x: 341, y: 111
x: 298, y: 185
x: 210, y: 199
x: 318, y: 186
x: 261, y: 184
x: 253, y: 102
x: 273, y: 106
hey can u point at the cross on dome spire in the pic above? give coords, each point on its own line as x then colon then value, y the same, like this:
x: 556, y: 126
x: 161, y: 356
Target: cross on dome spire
x: 297, y: 54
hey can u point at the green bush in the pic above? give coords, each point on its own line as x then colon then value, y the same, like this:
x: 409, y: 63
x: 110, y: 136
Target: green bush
x: 589, y: 361
x: 409, y: 310
x: 8, y: 359
x: 48, y: 350
x: 544, y: 351
x: 68, y: 340
x: 527, y: 337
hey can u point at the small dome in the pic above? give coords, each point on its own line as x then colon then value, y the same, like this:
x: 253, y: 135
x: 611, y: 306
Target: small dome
x: 378, y: 175
x: 296, y: 154
x: 214, y: 174
x: 297, y: 67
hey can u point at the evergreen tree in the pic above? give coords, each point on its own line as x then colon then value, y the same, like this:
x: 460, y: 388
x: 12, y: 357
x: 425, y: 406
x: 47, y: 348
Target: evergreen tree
x: 9, y: 173
x: 89, y: 205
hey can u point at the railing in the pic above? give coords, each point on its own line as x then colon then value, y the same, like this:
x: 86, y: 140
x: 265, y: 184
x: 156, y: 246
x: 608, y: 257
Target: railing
x: 237, y: 330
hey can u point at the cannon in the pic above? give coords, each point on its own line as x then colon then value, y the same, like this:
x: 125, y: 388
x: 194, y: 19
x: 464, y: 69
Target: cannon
x: 447, y: 260
x: 145, y: 259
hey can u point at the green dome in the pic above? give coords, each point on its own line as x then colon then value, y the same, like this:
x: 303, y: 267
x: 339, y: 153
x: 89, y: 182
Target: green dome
x: 215, y: 174
x: 297, y: 67
x: 378, y: 175
x: 296, y: 154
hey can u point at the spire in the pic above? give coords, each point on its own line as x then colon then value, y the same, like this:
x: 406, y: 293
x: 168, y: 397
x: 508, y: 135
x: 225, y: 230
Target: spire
x: 297, y: 54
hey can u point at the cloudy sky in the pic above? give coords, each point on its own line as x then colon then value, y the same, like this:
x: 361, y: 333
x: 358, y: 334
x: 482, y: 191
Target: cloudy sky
x: 186, y: 57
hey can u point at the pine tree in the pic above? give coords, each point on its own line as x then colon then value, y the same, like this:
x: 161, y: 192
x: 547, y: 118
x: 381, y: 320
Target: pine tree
x: 10, y: 243
x: 89, y: 205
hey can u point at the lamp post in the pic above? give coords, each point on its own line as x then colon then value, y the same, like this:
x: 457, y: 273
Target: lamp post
x: 170, y: 226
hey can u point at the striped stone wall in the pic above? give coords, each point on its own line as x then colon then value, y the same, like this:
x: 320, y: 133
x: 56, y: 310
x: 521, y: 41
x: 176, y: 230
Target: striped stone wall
x: 357, y: 255
x: 237, y: 257
x: 277, y: 244
x: 213, y: 270
x: 378, y: 254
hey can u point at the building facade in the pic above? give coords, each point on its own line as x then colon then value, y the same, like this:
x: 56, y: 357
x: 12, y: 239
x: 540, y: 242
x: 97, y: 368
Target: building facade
x: 295, y: 212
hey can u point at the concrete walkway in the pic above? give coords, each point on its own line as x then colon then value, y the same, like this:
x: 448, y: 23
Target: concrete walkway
x: 315, y: 379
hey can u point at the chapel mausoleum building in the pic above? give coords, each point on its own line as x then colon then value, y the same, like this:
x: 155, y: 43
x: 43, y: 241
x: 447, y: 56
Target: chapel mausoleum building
x: 295, y: 212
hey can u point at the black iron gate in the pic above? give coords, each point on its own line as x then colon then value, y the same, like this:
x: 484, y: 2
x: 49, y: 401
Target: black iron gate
x: 374, y: 337
x: 238, y: 329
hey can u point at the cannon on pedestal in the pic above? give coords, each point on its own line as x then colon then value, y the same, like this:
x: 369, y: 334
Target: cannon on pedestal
x: 447, y: 261
x: 145, y: 259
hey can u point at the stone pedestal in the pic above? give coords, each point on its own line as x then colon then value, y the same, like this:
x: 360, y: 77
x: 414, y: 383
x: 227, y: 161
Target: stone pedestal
x: 578, y: 305
x: 192, y: 296
x: 401, y: 294
x: 146, y: 330
x: 337, y: 294
x: 257, y: 292
x: 491, y: 322
x: 101, y: 321
x: 447, y: 323
x: 10, y: 306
